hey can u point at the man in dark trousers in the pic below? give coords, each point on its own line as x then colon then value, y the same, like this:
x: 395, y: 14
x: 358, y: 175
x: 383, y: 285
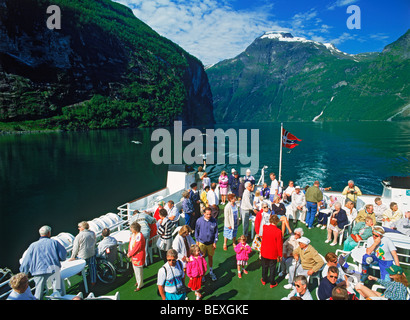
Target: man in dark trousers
x: 196, y: 201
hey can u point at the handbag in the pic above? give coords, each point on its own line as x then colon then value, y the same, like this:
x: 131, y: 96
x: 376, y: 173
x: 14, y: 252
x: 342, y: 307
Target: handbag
x: 256, y: 243
x: 356, y: 237
x: 333, y: 222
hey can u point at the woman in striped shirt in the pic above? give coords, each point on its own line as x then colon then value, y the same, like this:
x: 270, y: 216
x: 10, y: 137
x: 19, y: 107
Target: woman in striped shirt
x: 165, y: 229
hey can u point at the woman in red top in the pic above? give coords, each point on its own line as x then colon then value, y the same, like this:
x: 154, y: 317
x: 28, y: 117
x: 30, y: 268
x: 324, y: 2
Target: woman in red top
x: 136, y: 251
x: 271, y: 250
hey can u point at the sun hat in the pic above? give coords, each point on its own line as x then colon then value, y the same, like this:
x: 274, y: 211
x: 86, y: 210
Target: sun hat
x: 394, y: 270
x: 304, y: 240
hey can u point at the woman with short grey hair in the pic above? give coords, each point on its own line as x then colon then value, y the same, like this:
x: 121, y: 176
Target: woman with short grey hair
x: 338, y: 219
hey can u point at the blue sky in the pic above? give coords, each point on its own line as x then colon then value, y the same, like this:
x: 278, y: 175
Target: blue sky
x: 214, y: 30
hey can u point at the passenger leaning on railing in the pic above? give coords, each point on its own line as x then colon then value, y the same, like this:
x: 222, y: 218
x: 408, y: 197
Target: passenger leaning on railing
x: 84, y: 248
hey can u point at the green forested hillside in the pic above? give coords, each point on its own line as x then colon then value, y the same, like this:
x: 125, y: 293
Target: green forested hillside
x: 276, y: 80
x: 104, y: 68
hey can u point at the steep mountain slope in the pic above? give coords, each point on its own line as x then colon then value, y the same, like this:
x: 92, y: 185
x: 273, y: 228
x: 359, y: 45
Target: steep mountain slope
x: 280, y: 77
x: 104, y: 68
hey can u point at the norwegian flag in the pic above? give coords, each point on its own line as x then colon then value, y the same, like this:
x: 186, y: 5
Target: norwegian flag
x: 289, y: 140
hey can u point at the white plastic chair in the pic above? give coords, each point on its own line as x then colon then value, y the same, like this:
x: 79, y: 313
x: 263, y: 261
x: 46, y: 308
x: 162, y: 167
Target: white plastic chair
x: 317, y: 275
x: 57, y: 296
x: 91, y: 296
x: 151, y: 248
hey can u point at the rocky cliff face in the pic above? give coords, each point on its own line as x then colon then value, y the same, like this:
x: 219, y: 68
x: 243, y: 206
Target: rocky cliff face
x: 102, y: 50
x: 280, y: 77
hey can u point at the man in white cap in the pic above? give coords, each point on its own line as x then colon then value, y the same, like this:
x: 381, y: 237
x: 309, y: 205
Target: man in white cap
x: 298, y: 205
x: 308, y: 261
x: 250, y: 178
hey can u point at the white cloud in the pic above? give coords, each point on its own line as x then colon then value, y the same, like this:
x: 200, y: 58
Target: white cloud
x: 341, y: 3
x: 208, y: 29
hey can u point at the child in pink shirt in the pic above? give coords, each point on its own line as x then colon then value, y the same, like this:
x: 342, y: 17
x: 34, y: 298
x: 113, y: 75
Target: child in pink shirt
x: 242, y: 250
x: 195, y: 270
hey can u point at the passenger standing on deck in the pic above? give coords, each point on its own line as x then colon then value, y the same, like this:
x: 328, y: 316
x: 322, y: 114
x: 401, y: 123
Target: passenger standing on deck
x: 351, y: 192
x: 196, y: 202
x: 172, y: 211
x: 231, y: 213
x: 84, y: 248
x: 246, y: 207
x: 242, y: 250
x: 223, y: 185
x: 146, y: 223
x: 265, y: 191
x: 164, y: 230
x: 171, y: 278
x: 250, y: 178
x: 234, y: 183
x: 195, y: 270
x: 274, y: 187
x: 313, y: 197
x: 187, y: 207
x: 271, y: 250
x: 182, y: 244
x: 206, y: 236
x: 241, y: 188
x: 213, y: 200
x: 206, y: 181
x: 42, y: 258
x: 204, y: 197
x: 136, y: 251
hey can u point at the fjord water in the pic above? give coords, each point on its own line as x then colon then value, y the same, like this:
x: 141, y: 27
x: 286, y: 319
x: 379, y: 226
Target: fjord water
x: 63, y: 178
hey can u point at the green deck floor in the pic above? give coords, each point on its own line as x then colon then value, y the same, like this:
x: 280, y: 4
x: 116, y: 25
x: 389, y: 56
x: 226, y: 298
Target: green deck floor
x: 227, y: 287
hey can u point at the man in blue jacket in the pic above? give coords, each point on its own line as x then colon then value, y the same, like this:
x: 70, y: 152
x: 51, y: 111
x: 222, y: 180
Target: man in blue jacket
x: 42, y: 259
x: 206, y: 236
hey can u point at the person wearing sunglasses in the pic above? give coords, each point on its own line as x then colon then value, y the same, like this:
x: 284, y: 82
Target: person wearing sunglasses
x: 380, y: 251
x: 328, y: 283
x: 171, y: 278
x: 301, y: 290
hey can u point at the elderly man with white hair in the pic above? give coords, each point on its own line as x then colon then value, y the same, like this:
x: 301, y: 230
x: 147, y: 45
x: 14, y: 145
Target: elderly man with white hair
x: 287, y: 254
x: 298, y: 205
x: 42, y: 258
x: 246, y: 207
x: 351, y: 192
x: 308, y: 261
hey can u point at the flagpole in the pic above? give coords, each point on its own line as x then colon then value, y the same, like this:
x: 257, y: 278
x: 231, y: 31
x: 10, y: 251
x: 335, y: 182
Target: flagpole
x: 280, y: 153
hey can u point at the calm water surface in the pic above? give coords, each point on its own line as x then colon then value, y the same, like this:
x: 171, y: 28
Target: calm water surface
x: 60, y: 179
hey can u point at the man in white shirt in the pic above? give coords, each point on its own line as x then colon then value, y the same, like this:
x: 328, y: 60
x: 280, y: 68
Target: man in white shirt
x: 173, y: 213
x: 274, y: 187
x: 298, y: 205
x: 246, y: 207
x: 213, y: 200
x: 287, y: 194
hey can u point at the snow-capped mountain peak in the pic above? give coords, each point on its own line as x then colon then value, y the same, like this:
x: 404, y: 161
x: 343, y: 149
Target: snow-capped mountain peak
x: 288, y: 37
